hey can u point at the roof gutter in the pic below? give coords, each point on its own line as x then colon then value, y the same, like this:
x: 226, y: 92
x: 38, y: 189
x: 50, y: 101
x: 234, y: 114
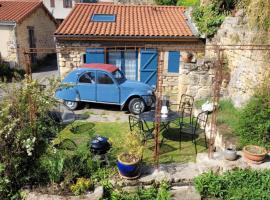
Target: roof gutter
x: 133, y: 38
x: 8, y: 23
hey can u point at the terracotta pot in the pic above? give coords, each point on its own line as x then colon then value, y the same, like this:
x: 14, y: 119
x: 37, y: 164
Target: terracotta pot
x: 187, y: 57
x: 257, y: 157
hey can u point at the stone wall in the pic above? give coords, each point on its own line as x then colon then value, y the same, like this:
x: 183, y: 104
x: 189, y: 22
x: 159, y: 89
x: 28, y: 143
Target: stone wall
x: 247, y: 67
x: 44, y: 28
x: 196, y: 79
x: 8, y: 50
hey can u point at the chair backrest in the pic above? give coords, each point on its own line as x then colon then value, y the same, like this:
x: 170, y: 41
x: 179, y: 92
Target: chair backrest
x: 134, y: 123
x: 186, y: 102
x: 186, y: 105
x: 62, y: 114
x: 201, y: 120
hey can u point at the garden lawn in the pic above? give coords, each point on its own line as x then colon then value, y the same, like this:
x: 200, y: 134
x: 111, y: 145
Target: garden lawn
x: 116, y: 132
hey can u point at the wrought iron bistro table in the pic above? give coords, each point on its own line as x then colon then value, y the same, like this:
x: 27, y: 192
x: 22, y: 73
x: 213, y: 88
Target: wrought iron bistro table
x: 151, y: 116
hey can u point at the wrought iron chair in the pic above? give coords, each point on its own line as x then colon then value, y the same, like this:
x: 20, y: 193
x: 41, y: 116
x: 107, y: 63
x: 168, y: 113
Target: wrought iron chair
x: 196, y: 127
x: 63, y: 116
x: 136, y: 124
x: 184, y: 108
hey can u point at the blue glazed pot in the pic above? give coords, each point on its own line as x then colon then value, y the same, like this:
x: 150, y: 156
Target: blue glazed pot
x: 129, y: 170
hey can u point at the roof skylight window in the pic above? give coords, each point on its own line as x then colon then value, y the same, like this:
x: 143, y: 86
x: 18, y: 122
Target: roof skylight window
x: 103, y: 18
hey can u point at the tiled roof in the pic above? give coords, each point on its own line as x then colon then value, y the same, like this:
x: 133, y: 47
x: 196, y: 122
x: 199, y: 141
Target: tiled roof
x: 131, y: 21
x: 16, y: 11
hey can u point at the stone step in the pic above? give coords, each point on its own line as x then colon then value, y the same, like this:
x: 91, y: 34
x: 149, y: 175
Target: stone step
x: 184, y: 193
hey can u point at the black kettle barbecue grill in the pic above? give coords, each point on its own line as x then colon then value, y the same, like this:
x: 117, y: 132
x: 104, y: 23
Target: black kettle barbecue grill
x: 99, y: 147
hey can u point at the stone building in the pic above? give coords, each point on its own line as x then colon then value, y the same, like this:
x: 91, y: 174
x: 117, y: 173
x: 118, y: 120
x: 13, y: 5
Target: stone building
x: 24, y: 25
x: 130, y: 37
x: 61, y: 8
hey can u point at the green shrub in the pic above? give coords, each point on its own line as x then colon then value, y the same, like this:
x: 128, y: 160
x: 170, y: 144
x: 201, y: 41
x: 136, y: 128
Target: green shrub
x: 7, y: 73
x: 81, y: 186
x: 239, y: 184
x: 23, y: 136
x: 152, y: 193
x: 254, y: 122
x: 187, y: 2
x: 208, y: 19
x: 59, y: 165
x: 52, y: 166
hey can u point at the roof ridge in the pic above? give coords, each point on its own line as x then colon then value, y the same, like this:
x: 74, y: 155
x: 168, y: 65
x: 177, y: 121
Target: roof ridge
x: 129, y: 5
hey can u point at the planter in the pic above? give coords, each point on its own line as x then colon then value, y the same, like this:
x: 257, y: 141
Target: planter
x: 230, y: 154
x: 254, y: 153
x: 187, y: 57
x: 129, y: 170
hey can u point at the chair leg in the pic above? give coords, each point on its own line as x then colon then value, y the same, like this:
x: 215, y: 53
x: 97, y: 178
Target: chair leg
x: 180, y: 140
x: 195, y: 144
x: 205, y: 139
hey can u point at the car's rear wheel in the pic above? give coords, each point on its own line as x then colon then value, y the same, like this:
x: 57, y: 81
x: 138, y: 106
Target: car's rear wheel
x: 72, y: 105
x: 136, y: 106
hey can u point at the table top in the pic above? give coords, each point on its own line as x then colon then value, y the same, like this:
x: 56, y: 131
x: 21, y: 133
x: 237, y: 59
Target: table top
x: 151, y: 117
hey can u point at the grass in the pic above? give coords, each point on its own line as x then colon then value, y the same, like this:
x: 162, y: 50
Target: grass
x: 116, y: 132
x: 188, y: 2
x: 227, y: 119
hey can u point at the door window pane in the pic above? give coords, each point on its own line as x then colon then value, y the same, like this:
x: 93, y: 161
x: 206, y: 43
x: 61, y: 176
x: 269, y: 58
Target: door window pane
x: 88, y: 77
x: 104, y: 78
x: 130, y: 65
x: 115, y: 58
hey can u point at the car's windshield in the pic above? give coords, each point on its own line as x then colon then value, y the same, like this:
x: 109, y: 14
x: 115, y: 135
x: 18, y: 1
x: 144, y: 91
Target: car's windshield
x: 119, y: 76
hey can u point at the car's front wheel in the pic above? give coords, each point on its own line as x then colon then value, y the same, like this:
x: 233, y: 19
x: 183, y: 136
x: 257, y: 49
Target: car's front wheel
x: 72, y: 105
x: 136, y: 106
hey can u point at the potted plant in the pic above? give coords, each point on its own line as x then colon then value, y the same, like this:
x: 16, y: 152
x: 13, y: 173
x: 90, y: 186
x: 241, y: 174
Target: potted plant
x: 230, y: 153
x: 187, y: 57
x: 254, y: 153
x: 129, y: 161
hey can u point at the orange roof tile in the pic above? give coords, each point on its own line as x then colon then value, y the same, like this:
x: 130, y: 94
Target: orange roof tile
x: 16, y: 11
x: 131, y: 21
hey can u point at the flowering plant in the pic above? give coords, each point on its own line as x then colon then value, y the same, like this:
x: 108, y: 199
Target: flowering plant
x: 24, y: 128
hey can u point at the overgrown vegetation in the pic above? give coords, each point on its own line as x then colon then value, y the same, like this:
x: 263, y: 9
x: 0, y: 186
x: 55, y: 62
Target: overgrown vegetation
x: 187, y: 2
x: 254, y: 123
x: 152, y: 193
x: 7, y: 74
x: 23, y: 136
x: 258, y: 14
x: 166, y: 2
x: 208, y: 19
x: 239, y: 184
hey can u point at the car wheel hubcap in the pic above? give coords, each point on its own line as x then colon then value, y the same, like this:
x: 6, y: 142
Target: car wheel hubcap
x: 70, y: 104
x: 137, y: 107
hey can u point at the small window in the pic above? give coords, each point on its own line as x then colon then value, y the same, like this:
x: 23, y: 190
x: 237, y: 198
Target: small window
x: 52, y: 2
x: 174, y: 61
x: 67, y: 3
x: 104, y: 78
x: 88, y: 77
x: 103, y: 18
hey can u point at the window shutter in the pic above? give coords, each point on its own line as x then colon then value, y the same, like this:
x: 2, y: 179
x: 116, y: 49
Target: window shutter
x: 95, y: 55
x: 174, y: 61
